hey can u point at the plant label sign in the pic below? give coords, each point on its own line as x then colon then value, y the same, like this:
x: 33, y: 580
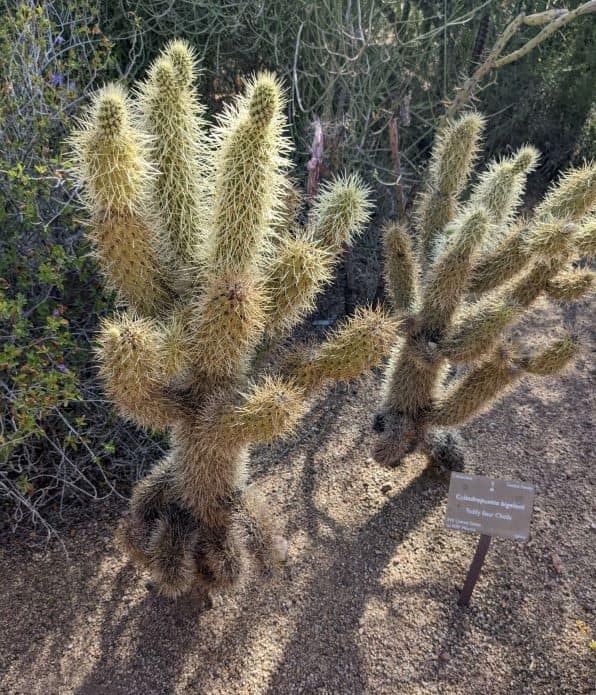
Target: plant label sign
x: 489, y: 507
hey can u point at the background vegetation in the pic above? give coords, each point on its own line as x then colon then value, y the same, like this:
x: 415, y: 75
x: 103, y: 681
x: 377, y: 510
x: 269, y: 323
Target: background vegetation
x: 353, y: 64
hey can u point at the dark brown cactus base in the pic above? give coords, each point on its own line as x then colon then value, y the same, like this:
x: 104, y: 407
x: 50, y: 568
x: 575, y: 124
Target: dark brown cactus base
x: 399, y: 435
x: 183, y: 553
x: 444, y: 451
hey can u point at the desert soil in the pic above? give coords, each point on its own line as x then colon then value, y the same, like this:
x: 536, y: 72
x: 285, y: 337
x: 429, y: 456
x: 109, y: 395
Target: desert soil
x: 367, y: 600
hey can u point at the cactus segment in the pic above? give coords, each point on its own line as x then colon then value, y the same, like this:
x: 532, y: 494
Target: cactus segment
x: 358, y: 344
x: 297, y: 273
x: 128, y: 354
x: 500, y: 188
x: 476, y: 391
x: 249, y: 164
x: 452, y: 159
x: 448, y: 276
x: 401, y: 268
x: 171, y: 114
x: 112, y: 167
x: 572, y: 197
x: 340, y: 212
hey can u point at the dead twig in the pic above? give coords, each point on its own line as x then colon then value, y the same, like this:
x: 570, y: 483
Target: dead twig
x: 551, y: 20
x: 316, y: 160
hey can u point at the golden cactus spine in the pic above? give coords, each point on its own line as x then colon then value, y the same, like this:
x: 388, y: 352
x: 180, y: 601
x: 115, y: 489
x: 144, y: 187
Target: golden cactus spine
x: 212, y: 268
x: 477, y: 267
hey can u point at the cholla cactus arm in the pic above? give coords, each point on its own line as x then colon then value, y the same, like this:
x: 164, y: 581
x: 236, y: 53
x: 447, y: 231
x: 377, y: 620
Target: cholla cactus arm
x: 550, y: 240
x: 340, y: 212
x: 509, y: 257
x: 230, y: 313
x: 401, y: 268
x: 477, y: 329
x: 476, y: 390
x: 472, y: 291
x: 130, y: 352
x: 175, y: 353
x: 269, y: 409
x: 298, y: 271
x: 302, y: 265
x: 452, y: 159
x: 479, y: 326
x: 551, y: 245
x: 171, y: 114
x: 448, y: 276
x: 290, y: 206
x: 112, y: 166
x: 490, y: 379
x: 570, y: 285
x: 552, y: 359
x: 572, y: 197
x: 532, y: 284
x: 249, y: 183
x: 358, y: 344
x: 585, y: 239
x: 500, y: 188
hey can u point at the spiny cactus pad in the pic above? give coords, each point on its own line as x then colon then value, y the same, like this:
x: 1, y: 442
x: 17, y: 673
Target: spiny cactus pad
x: 192, y: 229
x: 474, y: 270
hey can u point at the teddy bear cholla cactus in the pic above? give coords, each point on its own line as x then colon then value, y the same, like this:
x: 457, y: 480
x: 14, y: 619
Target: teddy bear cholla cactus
x: 475, y: 268
x: 188, y: 226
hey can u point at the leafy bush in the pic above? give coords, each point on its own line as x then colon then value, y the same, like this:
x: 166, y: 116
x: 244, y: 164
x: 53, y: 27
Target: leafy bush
x: 55, y: 431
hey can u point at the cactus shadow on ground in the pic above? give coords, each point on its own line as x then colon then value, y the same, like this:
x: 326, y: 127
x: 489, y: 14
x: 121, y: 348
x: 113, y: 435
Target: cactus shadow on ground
x: 351, y: 584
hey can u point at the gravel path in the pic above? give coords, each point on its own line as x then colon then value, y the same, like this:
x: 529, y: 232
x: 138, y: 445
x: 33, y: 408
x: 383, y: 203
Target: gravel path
x: 367, y: 601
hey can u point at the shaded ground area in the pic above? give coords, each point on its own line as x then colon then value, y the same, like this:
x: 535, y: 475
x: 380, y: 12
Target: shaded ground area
x: 367, y: 601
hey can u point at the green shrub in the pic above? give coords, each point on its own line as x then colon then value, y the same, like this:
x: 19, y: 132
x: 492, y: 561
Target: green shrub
x: 54, y: 429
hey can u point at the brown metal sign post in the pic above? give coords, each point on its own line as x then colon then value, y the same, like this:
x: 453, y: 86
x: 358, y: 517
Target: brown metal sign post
x: 474, y: 571
x: 491, y: 508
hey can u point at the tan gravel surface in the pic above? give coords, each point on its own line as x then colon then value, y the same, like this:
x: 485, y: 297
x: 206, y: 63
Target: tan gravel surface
x: 367, y: 600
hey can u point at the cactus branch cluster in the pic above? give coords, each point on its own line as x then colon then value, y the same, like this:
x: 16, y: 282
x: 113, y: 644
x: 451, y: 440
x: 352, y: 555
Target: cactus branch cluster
x: 191, y: 228
x: 474, y: 270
